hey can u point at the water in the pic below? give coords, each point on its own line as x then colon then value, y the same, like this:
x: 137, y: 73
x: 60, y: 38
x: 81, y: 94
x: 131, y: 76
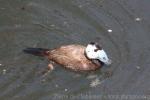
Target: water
x: 52, y: 23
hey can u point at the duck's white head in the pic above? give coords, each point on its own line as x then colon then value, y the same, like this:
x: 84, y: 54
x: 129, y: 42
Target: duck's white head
x: 94, y: 51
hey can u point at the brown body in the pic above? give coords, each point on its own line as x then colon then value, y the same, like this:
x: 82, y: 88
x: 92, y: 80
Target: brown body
x: 72, y: 57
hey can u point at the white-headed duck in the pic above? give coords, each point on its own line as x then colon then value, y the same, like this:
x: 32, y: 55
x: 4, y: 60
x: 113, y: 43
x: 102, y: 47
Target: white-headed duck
x: 74, y: 56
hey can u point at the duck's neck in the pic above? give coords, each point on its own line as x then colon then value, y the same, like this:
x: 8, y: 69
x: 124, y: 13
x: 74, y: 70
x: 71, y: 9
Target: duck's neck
x: 86, y: 55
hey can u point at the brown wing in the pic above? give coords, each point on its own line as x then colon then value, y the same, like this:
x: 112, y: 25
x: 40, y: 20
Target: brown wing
x: 67, y: 53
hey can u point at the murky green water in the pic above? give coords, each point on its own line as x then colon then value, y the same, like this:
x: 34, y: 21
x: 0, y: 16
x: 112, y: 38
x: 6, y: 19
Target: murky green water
x: 52, y: 23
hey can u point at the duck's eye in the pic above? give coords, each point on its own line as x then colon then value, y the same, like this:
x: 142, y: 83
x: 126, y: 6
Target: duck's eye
x: 96, y: 50
x: 104, y: 58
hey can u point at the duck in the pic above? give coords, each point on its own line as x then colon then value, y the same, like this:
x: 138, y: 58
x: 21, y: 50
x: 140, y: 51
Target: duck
x: 74, y: 56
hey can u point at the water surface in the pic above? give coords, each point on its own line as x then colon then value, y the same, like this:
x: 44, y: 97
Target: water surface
x: 52, y: 23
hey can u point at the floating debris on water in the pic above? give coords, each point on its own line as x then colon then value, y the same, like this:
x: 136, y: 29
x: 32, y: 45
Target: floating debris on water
x: 138, y: 67
x: 56, y: 85
x: 137, y: 19
x: 91, y: 76
x: 52, y: 25
x: 66, y: 89
x: 95, y: 82
x: 43, y: 80
x: 4, y: 71
x: 109, y: 30
x: 65, y: 22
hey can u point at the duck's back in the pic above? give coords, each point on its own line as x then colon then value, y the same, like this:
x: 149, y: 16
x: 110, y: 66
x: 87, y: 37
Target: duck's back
x: 73, y: 57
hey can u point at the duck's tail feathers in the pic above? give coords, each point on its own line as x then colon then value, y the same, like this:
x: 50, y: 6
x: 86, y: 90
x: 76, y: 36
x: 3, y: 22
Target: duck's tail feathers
x: 37, y: 51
